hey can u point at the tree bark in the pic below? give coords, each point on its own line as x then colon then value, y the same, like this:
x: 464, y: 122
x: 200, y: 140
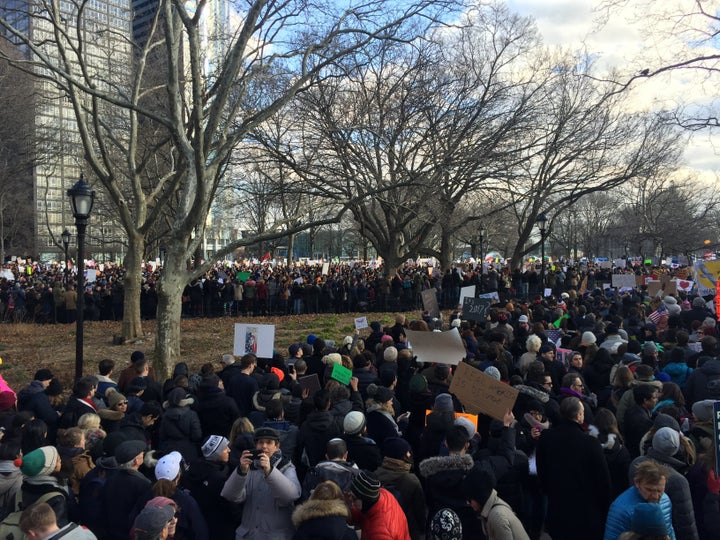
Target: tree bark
x: 169, y: 290
x: 132, y: 282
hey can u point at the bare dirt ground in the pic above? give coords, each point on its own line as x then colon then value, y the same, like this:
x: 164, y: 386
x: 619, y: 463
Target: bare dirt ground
x: 24, y: 348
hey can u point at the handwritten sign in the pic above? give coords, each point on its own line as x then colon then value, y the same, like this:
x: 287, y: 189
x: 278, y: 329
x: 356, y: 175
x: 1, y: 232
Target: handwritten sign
x: 480, y: 393
x: 341, y: 374
x: 325, y: 268
x: 476, y: 309
x: 430, y: 303
x: 466, y: 292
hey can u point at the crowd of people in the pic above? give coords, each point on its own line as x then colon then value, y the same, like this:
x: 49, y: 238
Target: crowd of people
x: 45, y: 293
x: 611, y: 435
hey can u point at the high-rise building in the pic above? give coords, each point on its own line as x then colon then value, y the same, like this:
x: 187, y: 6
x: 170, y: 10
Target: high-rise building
x: 104, y: 27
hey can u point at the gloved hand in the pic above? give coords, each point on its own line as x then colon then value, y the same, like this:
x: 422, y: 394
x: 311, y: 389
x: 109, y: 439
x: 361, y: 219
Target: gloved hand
x: 713, y: 483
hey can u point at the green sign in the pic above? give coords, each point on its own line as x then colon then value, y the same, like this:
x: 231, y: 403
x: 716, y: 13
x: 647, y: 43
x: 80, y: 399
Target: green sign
x: 341, y: 373
x: 243, y: 276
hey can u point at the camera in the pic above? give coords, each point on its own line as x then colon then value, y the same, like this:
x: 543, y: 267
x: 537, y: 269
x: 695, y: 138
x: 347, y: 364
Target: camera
x: 255, y: 454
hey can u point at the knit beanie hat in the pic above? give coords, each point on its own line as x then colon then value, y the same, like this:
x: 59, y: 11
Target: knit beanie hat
x: 40, y: 462
x: 43, y: 375
x: 666, y: 441
x: 390, y: 354
x: 493, y: 372
x: 648, y: 520
x: 470, y: 427
x: 418, y: 383
x: 443, y: 403
x: 665, y: 420
x: 354, y: 422
x: 366, y: 487
x: 396, y: 448
x: 703, y: 410
x: 114, y: 397
x: 588, y: 338
x: 214, y: 446
x: 7, y: 400
x: 446, y: 525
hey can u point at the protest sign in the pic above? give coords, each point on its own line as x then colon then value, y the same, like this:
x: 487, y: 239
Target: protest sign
x: 563, y: 355
x: 6, y: 273
x: 360, y: 323
x: 706, y: 275
x: 654, y: 286
x: 258, y: 339
x: 341, y: 373
x: 243, y: 276
x: 623, y: 280
x: 620, y: 263
x: 548, y: 292
x: 442, y: 347
x: 90, y: 276
x: 430, y: 303
x: 472, y: 417
x: 716, y: 429
x: 480, y: 393
x: 684, y: 285
x: 466, y: 292
x: 476, y: 309
x: 325, y: 268
x: 311, y: 383
x: 492, y: 296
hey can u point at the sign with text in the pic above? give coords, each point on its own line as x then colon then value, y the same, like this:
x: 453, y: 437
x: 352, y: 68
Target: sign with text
x: 441, y: 347
x: 621, y: 281
x: 341, y: 374
x: 480, y: 393
x: 311, y: 383
x: 258, y: 339
x: 325, y: 268
x: 466, y: 292
x: 430, y: 303
x: 476, y: 309
x: 360, y: 323
x: 716, y: 429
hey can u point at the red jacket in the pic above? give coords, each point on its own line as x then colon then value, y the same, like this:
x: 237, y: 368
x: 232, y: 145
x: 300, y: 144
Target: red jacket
x: 385, y: 520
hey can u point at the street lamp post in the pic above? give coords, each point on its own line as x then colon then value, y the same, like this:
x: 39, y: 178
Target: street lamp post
x: 541, y: 220
x: 482, y: 258
x: 65, y: 235
x: 82, y: 198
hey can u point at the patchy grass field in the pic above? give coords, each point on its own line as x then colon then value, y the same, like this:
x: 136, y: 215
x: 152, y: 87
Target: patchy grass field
x: 24, y: 348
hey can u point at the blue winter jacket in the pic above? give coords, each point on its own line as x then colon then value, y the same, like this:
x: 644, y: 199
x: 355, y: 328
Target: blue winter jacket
x: 621, y: 511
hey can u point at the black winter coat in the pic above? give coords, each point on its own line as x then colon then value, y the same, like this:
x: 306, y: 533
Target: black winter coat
x: 180, y: 430
x: 315, y: 432
x: 217, y: 412
x: 322, y: 520
x: 122, y: 494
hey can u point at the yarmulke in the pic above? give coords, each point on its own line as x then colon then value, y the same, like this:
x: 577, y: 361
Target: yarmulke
x: 354, y: 422
x: 168, y: 466
x: 703, y: 410
x: 443, y: 403
x: 365, y: 486
x: 396, y: 448
x: 648, y: 520
x: 43, y: 375
x: 666, y: 441
x: 446, y: 525
x: 40, y: 462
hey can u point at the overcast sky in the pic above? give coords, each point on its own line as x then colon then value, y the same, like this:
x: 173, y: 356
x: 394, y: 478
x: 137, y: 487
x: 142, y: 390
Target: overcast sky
x: 625, y: 42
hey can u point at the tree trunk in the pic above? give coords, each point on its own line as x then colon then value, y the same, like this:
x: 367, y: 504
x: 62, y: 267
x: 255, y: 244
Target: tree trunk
x: 169, y: 311
x: 290, y: 249
x: 132, y: 282
x: 446, y: 250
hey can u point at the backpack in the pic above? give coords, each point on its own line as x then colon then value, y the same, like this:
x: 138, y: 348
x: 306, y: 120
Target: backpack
x: 10, y: 526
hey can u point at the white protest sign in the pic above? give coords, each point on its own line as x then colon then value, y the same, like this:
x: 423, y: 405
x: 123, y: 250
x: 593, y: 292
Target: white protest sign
x: 360, y: 323
x: 90, y: 276
x: 257, y: 339
x: 441, y: 347
x: 466, y: 291
x: 325, y: 268
x: 623, y: 280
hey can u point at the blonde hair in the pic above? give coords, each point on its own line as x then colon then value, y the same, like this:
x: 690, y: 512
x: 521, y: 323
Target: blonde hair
x: 241, y: 425
x: 89, y: 421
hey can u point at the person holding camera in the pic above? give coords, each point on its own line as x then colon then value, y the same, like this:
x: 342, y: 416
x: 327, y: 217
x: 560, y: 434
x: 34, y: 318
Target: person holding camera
x: 267, y: 484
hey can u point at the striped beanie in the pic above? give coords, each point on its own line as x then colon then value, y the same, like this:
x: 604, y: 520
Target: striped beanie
x: 366, y: 487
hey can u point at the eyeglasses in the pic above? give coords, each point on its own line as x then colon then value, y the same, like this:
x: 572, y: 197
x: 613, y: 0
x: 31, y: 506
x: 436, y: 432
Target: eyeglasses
x: 122, y: 403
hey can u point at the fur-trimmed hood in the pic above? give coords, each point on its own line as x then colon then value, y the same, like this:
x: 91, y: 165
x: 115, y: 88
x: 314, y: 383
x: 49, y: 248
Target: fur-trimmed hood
x: 313, y: 509
x: 453, y: 462
x: 542, y: 397
x: 262, y: 397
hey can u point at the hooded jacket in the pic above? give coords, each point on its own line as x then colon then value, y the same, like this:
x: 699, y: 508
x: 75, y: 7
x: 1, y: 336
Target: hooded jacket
x: 322, y: 520
x: 621, y: 511
x: 385, y: 520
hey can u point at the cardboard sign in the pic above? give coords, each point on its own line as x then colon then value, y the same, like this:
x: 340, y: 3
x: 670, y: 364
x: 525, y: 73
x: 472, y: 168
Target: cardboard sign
x: 654, y: 287
x: 430, y: 303
x: 623, y: 280
x: 311, y: 383
x: 341, y: 374
x: 360, y: 323
x: 325, y: 268
x: 476, y: 309
x: 480, y: 393
x: 258, y: 339
x: 441, y: 347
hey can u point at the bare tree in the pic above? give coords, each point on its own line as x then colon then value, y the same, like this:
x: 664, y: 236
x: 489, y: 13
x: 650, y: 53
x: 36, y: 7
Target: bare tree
x: 268, y: 59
